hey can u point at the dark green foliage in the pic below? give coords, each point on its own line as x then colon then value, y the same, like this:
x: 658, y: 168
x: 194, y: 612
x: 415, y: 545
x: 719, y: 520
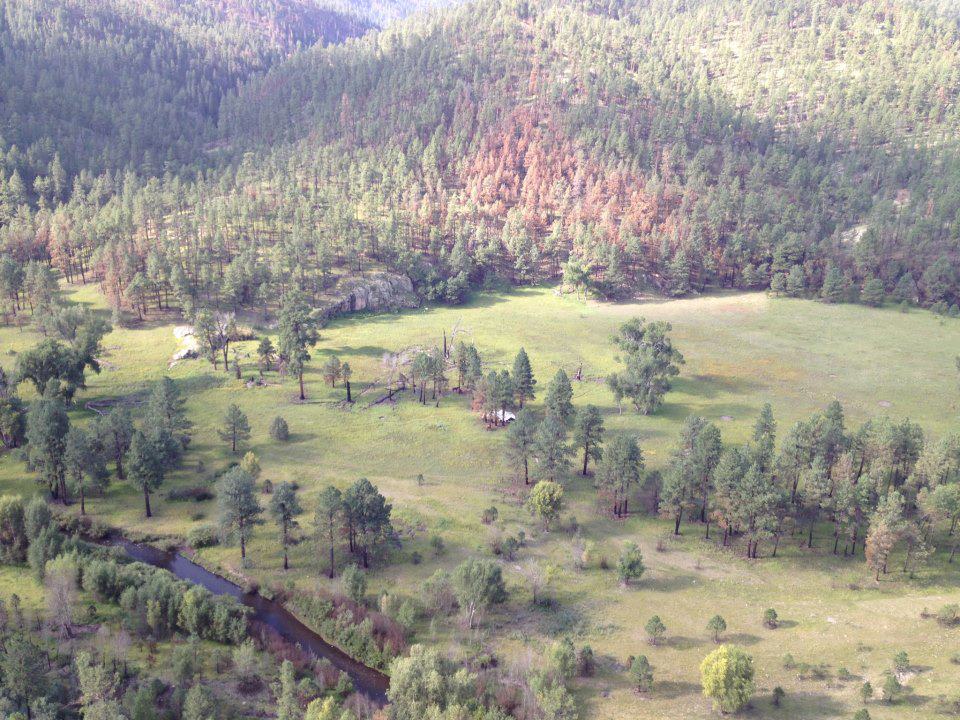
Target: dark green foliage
x: 588, y: 435
x: 524, y: 383
x: 238, y: 507
x: 279, y: 430
x: 650, y: 361
x: 236, y: 427
x: 559, y: 399
x: 284, y: 508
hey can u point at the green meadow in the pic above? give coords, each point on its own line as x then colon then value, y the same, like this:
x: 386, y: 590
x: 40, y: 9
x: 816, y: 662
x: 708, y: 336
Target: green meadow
x: 741, y: 351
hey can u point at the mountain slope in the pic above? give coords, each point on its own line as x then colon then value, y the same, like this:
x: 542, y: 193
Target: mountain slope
x: 723, y: 134
x: 113, y: 83
x: 669, y: 146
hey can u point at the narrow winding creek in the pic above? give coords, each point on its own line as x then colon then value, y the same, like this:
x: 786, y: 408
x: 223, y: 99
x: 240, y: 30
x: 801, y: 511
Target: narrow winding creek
x: 366, y: 680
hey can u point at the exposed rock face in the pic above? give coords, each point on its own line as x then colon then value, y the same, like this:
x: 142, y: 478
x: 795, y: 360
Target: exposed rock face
x: 376, y: 292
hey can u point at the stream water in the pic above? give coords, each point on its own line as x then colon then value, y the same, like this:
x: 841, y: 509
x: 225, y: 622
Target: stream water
x: 366, y: 680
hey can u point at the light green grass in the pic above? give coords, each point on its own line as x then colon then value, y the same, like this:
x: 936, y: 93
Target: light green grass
x: 742, y: 350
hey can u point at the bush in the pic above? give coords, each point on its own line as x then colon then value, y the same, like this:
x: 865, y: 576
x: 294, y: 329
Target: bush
x: 354, y: 583
x: 630, y: 565
x: 196, y: 493
x: 203, y: 536
x: 489, y: 515
x: 279, y: 430
x: 586, y: 664
x: 770, y: 618
x: 949, y: 614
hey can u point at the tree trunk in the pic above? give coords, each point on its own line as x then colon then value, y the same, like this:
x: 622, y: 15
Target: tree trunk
x: 286, y: 561
x: 585, y: 456
x: 300, y: 377
x: 243, y: 546
x: 676, y: 525
x: 331, y: 559
x: 83, y: 506
x: 349, y: 398
x: 146, y: 501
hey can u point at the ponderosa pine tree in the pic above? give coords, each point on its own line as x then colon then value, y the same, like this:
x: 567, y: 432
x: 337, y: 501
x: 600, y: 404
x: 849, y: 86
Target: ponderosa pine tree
x: 284, y: 508
x: 550, y: 446
x: 588, y: 435
x: 47, y: 428
x: 84, y: 464
x: 115, y: 431
x: 146, y: 465
x: 521, y: 441
x: 650, y: 361
x: 238, y: 508
x: 298, y: 333
x: 620, y: 471
x: 523, y: 380
x: 328, y: 520
x: 236, y: 427
x: 559, y: 399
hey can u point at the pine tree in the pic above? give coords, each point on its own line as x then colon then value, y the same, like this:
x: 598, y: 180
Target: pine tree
x: 239, y: 510
x: 236, y: 427
x: 559, y: 400
x: 523, y: 380
x: 588, y: 435
x: 284, y: 508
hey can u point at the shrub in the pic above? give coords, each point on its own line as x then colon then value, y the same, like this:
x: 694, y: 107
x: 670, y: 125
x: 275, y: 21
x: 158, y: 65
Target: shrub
x: 727, y: 678
x: 203, y: 536
x: 891, y: 688
x: 586, y: 664
x: 563, y: 658
x: 778, y: 694
x: 195, y: 493
x: 716, y: 626
x: 630, y: 565
x: 641, y: 674
x: 489, y: 515
x: 770, y: 618
x: 436, y: 543
x: 279, y: 430
x: 949, y: 614
x: 354, y: 583
x: 901, y: 661
x: 655, y: 629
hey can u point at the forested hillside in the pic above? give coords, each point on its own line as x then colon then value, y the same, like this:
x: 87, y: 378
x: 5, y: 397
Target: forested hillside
x: 383, y: 12
x: 122, y: 83
x: 684, y: 143
x: 805, y: 147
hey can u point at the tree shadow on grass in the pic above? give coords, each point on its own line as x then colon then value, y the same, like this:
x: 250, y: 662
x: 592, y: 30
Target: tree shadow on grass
x: 806, y: 705
x: 673, y: 689
x: 300, y: 437
x: 745, y: 639
x: 681, y: 642
x: 373, y: 351
x: 671, y: 583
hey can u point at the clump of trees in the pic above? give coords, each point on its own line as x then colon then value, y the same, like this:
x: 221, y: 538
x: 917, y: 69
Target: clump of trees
x: 650, y: 361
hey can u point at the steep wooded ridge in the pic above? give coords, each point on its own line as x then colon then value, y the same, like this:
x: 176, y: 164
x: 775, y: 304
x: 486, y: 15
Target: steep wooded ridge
x: 806, y: 147
x: 111, y: 84
x: 690, y: 143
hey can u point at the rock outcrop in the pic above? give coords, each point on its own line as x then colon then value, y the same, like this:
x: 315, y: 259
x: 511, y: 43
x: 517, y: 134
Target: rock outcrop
x: 375, y: 292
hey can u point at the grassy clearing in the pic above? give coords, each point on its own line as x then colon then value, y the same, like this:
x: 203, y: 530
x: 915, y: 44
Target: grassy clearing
x: 741, y: 349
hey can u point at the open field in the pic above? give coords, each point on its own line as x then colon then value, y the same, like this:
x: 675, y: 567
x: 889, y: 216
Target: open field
x: 741, y: 351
